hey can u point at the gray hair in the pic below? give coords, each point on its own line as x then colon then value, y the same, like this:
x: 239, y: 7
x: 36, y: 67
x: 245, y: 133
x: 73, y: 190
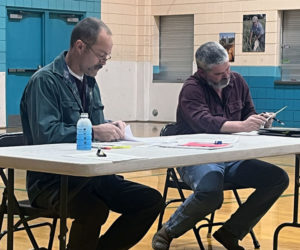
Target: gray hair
x: 88, y: 30
x: 254, y: 19
x: 210, y: 54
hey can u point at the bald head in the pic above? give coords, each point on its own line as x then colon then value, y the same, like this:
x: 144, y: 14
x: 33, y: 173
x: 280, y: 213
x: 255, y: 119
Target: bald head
x: 88, y: 30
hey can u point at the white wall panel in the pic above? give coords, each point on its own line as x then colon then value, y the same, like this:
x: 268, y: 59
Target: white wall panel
x: 132, y: 96
x: 117, y: 82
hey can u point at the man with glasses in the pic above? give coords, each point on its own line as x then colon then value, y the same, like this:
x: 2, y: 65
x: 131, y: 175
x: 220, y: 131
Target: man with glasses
x: 50, y: 108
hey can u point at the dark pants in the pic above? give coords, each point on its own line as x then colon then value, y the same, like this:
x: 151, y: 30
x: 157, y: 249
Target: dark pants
x: 138, y: 206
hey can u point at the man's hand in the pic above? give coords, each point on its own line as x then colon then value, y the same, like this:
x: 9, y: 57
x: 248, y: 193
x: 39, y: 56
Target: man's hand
x: 109, y: 131
x: 120, y: 125
x: 269, y: 116
x: 255, y: 122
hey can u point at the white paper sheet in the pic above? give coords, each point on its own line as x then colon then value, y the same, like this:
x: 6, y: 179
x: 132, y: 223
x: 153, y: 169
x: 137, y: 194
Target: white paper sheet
x: 226, y: 143
x: 110, y: 156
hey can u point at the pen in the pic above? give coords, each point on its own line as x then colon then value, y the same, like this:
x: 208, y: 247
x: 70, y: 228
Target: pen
x: 277, y: 120
x: 218, y: 142
x: 276, y: 113
x: 116, y: 147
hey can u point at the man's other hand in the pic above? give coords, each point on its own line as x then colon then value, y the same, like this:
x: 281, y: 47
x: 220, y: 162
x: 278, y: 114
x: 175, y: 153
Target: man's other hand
x: 109, y: 131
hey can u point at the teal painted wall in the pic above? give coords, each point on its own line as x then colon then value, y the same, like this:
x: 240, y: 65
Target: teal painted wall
x: 270, y: 97
x: 89, y: 7
x: 267, y: 96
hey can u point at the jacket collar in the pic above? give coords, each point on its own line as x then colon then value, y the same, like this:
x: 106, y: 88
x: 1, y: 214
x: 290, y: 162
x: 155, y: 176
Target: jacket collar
x: 60, y: 68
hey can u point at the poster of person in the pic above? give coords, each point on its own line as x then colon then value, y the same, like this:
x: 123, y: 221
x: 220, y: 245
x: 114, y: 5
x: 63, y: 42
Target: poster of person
x: 227, y: 40
x: 254, y: 28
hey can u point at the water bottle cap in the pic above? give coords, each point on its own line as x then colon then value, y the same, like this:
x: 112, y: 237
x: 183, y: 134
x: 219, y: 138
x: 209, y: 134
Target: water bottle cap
x: 84, y: 115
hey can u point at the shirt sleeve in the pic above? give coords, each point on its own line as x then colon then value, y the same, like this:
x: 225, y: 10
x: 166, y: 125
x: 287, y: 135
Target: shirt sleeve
x: 248, y: 104
x: 260, y: 29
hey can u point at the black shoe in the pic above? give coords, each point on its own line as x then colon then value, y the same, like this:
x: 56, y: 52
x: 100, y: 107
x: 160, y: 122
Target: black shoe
x: 161, y: 240
x: 227, y: 239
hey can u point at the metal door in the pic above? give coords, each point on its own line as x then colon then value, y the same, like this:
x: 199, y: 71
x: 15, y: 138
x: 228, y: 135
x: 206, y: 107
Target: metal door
x: 24, y: 56
x: 58, y: 30
x: 34, y: 39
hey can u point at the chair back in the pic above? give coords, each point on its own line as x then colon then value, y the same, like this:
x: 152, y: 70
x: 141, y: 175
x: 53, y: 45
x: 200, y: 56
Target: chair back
x: 11, y: 139
x: 169, y: 129
x: 23, y: 208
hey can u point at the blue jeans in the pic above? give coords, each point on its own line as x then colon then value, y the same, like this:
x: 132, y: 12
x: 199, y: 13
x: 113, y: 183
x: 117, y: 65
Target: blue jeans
x: 268, y: 180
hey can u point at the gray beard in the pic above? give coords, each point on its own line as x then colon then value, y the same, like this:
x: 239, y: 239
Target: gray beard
x: 219, y: 85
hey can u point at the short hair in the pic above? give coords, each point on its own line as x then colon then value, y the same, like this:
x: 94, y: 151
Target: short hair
x: 88, y: 30
x: 254, y: 19
x: 210, y: 54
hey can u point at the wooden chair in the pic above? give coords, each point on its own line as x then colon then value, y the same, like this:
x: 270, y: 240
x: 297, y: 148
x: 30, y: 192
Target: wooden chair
x: 172, y: 181
x: 22, y: 208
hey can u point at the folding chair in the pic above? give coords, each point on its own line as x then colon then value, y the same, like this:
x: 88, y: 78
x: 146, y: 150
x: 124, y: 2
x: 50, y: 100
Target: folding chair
x: 172, y: 181
x: 22, y: 208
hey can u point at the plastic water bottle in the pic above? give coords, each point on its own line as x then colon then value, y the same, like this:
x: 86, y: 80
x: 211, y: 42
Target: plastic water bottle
x: 84, y: 133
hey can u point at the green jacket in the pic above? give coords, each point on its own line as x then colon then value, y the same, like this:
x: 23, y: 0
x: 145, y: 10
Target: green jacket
x: 51, y: 105
x: 50, y: 108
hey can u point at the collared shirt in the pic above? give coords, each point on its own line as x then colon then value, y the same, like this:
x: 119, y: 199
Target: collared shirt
x: 81, y: 83
x: 81, y: 86
x: 201, y: 110
x: 257, y: 29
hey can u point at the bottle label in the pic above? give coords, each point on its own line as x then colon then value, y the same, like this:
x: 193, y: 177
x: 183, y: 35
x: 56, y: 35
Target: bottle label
x: 84, y: 144
x: 84, y: 138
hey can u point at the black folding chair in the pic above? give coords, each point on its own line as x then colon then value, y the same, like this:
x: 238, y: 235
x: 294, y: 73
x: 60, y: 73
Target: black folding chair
x: 22, y: 208
x: 172, y: 181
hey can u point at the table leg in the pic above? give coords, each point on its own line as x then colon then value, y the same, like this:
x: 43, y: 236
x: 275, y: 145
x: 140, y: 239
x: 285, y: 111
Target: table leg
x: 63, y: 211
x: 296, y: 203
x: 10, y: 208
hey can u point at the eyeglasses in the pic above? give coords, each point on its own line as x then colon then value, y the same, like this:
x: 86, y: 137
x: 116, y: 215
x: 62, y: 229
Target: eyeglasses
x: 101, y: 58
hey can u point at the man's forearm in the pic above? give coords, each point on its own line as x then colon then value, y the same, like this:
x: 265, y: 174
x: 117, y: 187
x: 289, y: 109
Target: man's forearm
x: 232, y: 127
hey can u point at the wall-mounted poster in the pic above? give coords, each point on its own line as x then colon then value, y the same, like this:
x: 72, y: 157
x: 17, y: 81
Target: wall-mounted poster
x: 227, y: 40
x: 254, y: 27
